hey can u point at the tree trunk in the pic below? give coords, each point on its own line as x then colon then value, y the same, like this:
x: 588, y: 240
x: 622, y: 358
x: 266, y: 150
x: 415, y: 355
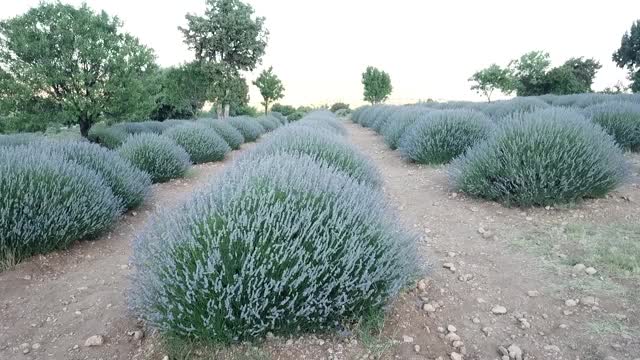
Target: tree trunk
x: 226, y: 110
x: 85, y: 125
x: 266, y: 108
x: 219, y: 111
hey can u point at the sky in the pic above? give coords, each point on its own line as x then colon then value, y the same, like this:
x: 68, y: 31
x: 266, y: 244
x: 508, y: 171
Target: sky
x: 320, y: 48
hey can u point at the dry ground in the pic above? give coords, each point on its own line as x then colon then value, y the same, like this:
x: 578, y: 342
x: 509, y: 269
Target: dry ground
x: 522, y: 260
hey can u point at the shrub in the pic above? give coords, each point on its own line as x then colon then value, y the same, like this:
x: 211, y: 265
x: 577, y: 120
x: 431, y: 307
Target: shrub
x: 542, y: 158
x: 231, y: 135
x: 621, y: 120
x: 500, y: 109
x: 281, y: 244
x: 155, y: 127
x: 268, y: 123
x: 128, y: 183
x: 442, y: 135
x: 108, y: 137
x: 295, y: 116
x: 47, y: 203
x: 131, y: 128
x: 202, y: 144
x: 382, y: 117
x: 325, y: 121
x: 323, y: 146
x: 248, y: 127
x: 19, y: 139
x: 279, y: 116
x: 399, y: 122
x: 157, y: 155
x: 339, y: 106
x: 285, y: 110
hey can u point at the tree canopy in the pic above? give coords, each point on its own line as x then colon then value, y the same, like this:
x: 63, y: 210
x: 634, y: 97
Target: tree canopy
x: 226, y: 40
x: 47, y: 67
x: 490, y: 79
x: 377, y: 85
x: 628, y: 55
x: 270, y: 86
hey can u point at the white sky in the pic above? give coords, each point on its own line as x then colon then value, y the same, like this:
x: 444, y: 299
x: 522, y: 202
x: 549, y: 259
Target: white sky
x: 430, y: 48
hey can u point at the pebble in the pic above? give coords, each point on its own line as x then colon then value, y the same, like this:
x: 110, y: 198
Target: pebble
x: 95, y: 340
x: 524, y: 323
x: 451, y: 328
x: 487, y: 330
x: 570, y: 303
x: 503, y: 351
x: 138, y: 335
x: 533, y: 293
x: 449, y: 266
x: 456, y: 356
x: 499, y: 310
x: 416, y: 348
x: 428, y: 308
x: 457, y: 344
x: 451, y: 337
x: 35, y: 346
x: 563, y: 326
x: 451, y: 254
x: 166, y: 357
x: 407, y: 339
x: 579, y: 267
x: 589, y: 301
x: 422, y: 285
x: 590, y: 271
x: 289, y: 342
x: 515, y: 352
x: 475, y: 320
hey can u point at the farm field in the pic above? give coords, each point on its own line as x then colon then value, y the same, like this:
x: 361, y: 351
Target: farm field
x: 282, y: 180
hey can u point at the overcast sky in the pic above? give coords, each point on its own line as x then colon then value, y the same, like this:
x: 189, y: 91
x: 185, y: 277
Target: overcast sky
x: 430, y: 48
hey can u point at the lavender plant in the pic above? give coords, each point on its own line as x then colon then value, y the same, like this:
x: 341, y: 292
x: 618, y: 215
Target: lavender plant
x: 250, y: 129
x: 157, y: 155
x: 231, y: 135
x: 620, y: 120
x: 202, y: 143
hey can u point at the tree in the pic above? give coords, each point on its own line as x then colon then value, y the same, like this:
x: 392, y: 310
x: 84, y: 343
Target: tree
x: 339, y: 106
x: 628, y: 55
x: 490, y: 79
x: 575, y: 76
x: 377, y: 85
x: 227, y: 39
x: 529, y: 73
x: 285, y: 110
x: 584, y: 70
x: 270, y: 86
x: 47, y: 65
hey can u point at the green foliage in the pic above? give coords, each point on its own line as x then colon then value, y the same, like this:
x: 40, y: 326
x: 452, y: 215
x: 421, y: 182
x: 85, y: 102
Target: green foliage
x: 295, y: 116
x: 231, y: 135
x: 107, y: 136
x: 441, y: 136
x: 285, y: 110
x: 127, y: 183
x: 269, y: 123
x: 158, y: 156
x: 339, y: 106
x: 47, y: 66
x: 283, y: 238
x: 547, y: 157
x: 490, y: 79
x: 529, y: 73
x: 377, y: 85
x: 628, y: 55
x: 621, y: 120
x: 270, y: 86
x: 250, y: 129
x: 202, y: 144
x: 47, y: 203
x: 183, y: 92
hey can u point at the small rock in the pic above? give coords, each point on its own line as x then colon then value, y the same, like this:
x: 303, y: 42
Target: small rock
x: 488, y: 235
x: 27, y: 277
x: 563, y: 326
x: 451, y: 337
x: 95, y: 340
x: 579, y: 267
x: 35, y: 346
x: 451, y: 328
x: 451, y: 254
x: 552, y: 348
x: 416, y: 348
x: 422, y: 285
x: 475, y: 320
x: 590, y: 271
x: 481, y: 300
x: 515, y: 352
x: 138, y: 335
x: 567, y: 312
x: 589, y: 301
x: 503, y: 351
x: 487, y: 331
x: 428, y: 308
x: 571, y: 303
x: 440, y: 329
x: 457, y: 344
x: 407, y: 339
x: 289, y: 342
x: 524, y: 323
x: 533, y: 293
x: 499, y: 310
x: 456, y: 356
x: 166, y: 357
x: 481, y: 230
x: 449, y: 266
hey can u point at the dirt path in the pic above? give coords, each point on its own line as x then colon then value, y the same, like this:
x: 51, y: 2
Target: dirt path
x: 495, y: 266
x: 51, y: 304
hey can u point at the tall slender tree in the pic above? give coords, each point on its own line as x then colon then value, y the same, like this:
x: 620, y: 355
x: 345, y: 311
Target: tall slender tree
x: 270, y: 86
x: 628, y: 55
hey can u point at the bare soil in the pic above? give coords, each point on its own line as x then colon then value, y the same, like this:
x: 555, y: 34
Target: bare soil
x: 499, y: 255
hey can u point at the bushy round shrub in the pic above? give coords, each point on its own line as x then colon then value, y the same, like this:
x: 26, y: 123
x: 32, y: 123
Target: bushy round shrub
x: 382, y: 117
x: 547, y: 157
x: 109, y: 137
x: 323, y: 146
x: 399, y: 122
x: 279, y: 116
x: 128, y: 183
x: 47, y: 203
x: 157, y: 155
x: 621, y: 120
x: 295, y: 116
x: 19, y: 139
x: 155, y: 127
x: 248, y: 127
x: 442, y: 135
x: 281, y: 244
x: 323, y: 120
x: 499, y: 109
x: 231, y: 135
x: 268, y: 123
x: 202, y: 144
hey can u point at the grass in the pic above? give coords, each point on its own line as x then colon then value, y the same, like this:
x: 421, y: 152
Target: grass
x: 369, y: 331
x: 184, y: 349
x: 611, y: 327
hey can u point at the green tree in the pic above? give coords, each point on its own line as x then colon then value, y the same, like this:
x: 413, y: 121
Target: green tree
x: 575, y: 76
x: 584, y: 70
x: 74, y: 64
x: 227, y: 40
x: 285, y: 110
x: 183, y: 92
x: 490, y: 79
x: 628, y: 55
x: 529, y: 73
x: 270, y: 86
x: 339, y: 106
x: 377, y: 85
